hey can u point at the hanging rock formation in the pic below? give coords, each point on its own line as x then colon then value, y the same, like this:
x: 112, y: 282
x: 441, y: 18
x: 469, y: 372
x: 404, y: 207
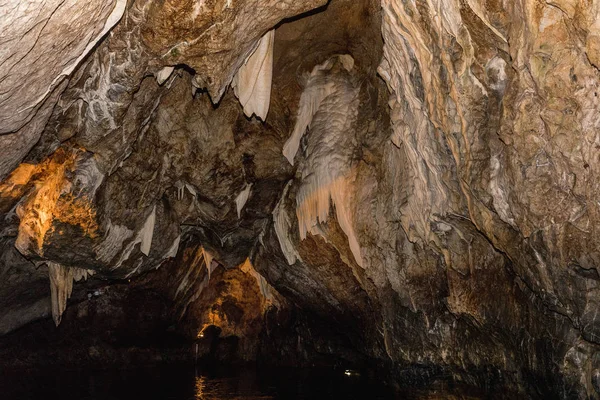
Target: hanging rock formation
x: 415, y: 181
x: 252, y: 83
x: 61, y: 286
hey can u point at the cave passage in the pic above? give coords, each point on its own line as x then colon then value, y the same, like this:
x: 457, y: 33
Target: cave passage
x: 343, y: 199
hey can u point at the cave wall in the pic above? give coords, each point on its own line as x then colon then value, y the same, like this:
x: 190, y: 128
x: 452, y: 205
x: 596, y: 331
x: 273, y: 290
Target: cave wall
x: 424, y: 179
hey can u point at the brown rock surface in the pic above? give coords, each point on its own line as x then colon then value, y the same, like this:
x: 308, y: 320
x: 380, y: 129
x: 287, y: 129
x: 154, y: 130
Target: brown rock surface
x: 441, y: 214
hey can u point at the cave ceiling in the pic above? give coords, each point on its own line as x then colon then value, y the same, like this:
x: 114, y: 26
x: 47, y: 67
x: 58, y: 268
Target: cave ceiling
x: 419, y: 172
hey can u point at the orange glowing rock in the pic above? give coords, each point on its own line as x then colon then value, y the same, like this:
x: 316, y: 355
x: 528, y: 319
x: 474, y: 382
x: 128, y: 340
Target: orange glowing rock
x: 17, y: 180
x: 77, y: 211
x: 49, y: 200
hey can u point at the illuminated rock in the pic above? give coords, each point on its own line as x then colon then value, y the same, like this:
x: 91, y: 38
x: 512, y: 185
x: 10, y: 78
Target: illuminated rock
x: 422, y: 190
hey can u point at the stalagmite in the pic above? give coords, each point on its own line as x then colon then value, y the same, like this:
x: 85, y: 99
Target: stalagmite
x: 252, y: 83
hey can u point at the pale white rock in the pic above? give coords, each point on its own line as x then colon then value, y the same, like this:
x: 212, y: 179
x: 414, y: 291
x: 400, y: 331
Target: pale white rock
x: 164, y: 74
x: 252, y: 82
x: 327, y: 173
x: 499, y: 190
x: 316, y: 90
x: 143, y: 237
x: 282, y: 224
x: 42, y: 42
x: 242, y: 198
x: 551, y: 16
x: 184, y: 284
x: 266, y: 290
x: 88, y: 177
x: 191, y: 189
x: 15, y: 146
x: 190, y: 288
x: 208, y: 261
x: 112, y: 242
x: 61, y: 286
x: 180, y: 186
x: 478, y: 8
x: 497, y: 67
x: 172, y: 250
x: 404, y: 44
x: 147, y: 232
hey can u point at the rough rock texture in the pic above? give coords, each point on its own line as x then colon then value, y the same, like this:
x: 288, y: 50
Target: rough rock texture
x: 183, y: 312
x: 492, y: 105
x: 43, y: 43
x: 423, y: 189
x: 70, y: 205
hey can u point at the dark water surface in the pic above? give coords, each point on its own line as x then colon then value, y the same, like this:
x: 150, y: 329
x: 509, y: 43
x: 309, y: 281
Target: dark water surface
x: 189, y: 383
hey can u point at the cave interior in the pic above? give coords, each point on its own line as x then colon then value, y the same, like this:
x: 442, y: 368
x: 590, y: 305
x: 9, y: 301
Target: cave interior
x: 403, y: 189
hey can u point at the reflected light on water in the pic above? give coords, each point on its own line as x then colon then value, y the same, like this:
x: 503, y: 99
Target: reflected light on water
x: 178, y: 382
x: 200, y: 388
x: 225, y: 389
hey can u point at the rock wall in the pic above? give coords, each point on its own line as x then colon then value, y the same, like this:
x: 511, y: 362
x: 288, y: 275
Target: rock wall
x: 421, y: 175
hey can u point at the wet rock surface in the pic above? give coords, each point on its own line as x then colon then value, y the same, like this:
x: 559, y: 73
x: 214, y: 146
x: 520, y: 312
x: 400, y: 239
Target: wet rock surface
x: 420, y: 197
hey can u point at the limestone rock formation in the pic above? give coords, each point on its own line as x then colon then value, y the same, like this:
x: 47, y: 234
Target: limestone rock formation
x: 42, y: 43
x: 252, y: 82
x: 61, y: 286
x: 415, y: 181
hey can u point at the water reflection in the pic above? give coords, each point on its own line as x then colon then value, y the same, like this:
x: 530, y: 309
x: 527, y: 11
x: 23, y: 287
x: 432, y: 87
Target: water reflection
x: 188, y: 383
x: 218, y: 389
